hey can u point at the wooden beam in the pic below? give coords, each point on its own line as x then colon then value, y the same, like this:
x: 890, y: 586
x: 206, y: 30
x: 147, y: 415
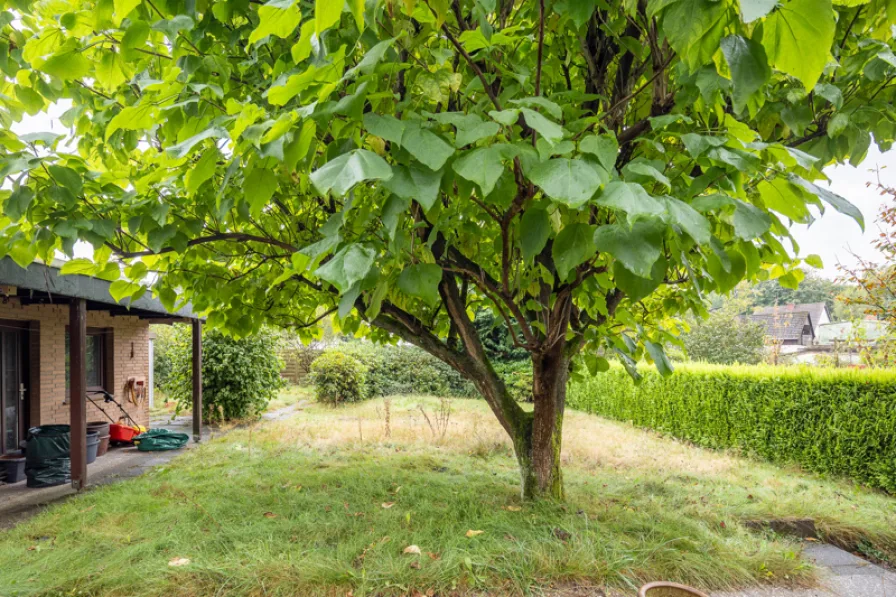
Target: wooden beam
x: 78, y: 386
x: 197, y: 380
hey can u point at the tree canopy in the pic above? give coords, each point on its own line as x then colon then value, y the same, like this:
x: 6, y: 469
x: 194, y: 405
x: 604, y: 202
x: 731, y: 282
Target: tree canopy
x: 585, y: 169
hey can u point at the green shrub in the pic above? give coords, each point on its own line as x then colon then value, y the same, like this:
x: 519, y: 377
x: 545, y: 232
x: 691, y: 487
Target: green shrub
x: 841, y: 422
x: 405, y: 369
x: 239, y: 376
x: 518, y: 378
x: 338, y: 378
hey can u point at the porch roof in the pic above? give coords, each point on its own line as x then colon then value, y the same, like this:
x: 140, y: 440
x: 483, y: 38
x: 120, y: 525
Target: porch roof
x: 41, y: 283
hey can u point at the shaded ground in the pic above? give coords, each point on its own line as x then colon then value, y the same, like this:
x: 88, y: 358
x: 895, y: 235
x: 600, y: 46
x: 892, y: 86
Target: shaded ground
x: 327, y: 502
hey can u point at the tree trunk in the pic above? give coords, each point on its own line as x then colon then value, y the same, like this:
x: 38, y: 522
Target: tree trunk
x: 537, y: 439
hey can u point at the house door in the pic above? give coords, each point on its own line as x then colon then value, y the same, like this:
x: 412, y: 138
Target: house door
x: 12, y: 389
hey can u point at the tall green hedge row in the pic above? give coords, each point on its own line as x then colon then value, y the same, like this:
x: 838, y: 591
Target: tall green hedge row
x: 841, y: 422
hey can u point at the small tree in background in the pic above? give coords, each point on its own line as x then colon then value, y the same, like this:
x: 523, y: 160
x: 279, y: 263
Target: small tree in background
x: 239, y: 376
x: 725, y: 338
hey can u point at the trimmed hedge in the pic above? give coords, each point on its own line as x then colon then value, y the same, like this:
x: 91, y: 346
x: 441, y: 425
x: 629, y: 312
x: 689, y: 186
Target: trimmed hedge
x: 841, y: 422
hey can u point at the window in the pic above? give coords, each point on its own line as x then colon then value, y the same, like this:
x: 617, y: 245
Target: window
x: 98, y: 357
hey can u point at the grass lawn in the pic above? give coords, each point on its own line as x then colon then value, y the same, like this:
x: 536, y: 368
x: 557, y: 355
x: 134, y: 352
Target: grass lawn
x: 329, y: 501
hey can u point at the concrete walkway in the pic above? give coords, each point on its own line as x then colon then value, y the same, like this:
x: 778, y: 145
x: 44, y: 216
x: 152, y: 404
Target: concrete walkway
x: 842, y: 575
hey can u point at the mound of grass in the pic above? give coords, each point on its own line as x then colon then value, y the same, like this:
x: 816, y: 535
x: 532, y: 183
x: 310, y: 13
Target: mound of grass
x: 389, y: 497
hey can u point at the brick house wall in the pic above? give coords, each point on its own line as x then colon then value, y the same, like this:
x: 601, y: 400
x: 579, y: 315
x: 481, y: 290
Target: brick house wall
x: 130, y: 349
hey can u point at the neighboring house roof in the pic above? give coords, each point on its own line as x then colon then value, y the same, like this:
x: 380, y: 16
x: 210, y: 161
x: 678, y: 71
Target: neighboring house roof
x: 784, y: 325
x: 816, y: 311
x: 839, y: 332
x: 40, y: 283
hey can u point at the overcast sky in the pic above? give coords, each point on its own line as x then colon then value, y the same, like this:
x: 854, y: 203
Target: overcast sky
x: 833, y: 236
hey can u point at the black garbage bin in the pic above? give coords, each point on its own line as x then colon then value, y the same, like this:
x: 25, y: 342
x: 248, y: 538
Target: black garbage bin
x: 48, y: 456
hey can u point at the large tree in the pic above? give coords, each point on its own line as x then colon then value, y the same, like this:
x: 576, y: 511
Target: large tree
x: 585, y: 169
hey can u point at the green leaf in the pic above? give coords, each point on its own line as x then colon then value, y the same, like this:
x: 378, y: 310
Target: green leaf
x: 79, y: 266
x: 110, y: 71
x: 347, y: 267
x: 604, y: 147
x: 481, y: 166
x: 427, y: 147
x: 833, y: 199
x: 797, y: 37
x: 415, y: 182
x: 182, y: 149
x: 814, y: 260
x: 347, y: 170
x: 690, y: 220
x: 573, y: 246
x: 641, y: 171
x: 540, y: 102
x: 748, y: 65
x: 134, y: 37
x: 505, y: 117
x: 18, y: 202
x: 698, y: 144
x: 67, y: 67
x: 549, y: 131
x: 785, y: 198
x: 630, y: 198
x: 569, y: 181
x: 421, y: 280
x: 695, y: 28
x: 637, y: 248
x: 203, y: 170
x: 749, y: 221
x: 386, y: 127
x: 258, y: 188
x: 326, y: 14
x: 277, y: 18
x: 122, y: 289
x: 659, y: 358
x: 123, y: 8
x: 67, y: 178
x: 535, y: 229
x: 635, y: 287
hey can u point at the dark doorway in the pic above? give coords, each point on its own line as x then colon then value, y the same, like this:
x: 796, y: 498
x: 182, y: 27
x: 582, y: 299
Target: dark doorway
x: 13, y: 404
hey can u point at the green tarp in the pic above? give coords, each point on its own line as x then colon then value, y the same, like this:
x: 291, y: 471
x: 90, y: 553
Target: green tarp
x: 157, y: 440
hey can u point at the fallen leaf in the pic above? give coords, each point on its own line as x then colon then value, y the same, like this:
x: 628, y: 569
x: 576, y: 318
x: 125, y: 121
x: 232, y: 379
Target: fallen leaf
x: 178, y: 561
x: 811, y: 539
x: 433, y: 556
x: 270, y: 515
x: 412, y: 549
x: 561, y: 534
x: 472, y: 533
x: 415, y: 565
x: 388, y: 505
x: 722, y: 524
x: 512, y: 508
x: 32, y: 548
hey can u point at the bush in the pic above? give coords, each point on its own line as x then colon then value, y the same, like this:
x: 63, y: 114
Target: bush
x: 239, y: 376
x: 830, y: 421
x: 338, y: 378
x: 518, y: 378
x: 165, y: 337
x: 725, y: 339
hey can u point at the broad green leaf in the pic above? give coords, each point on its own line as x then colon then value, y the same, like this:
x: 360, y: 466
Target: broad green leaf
x: 569, y: 181
x: 636, y: 287
x: 134, y: 38
x: 326, y: 14
x: 659, y: 358
x: 540, y: 102
x: 123, y: 8
x: 642, y: 170
x: 422, y: 281
x: 549, y: 131
x: 32, y: 100
x: 505, y: 117
x: 630, y: 198
x: 690, y: 220
x: 302, y: 48
x: 636, y: 248
x: 347, y: 267
x: 415, y: 182
x: 258, y: 187
x: 277, y: 18
x: 573, y: 246
x: 203, y: 170
x: 183, y: 148
x: 535, y: 229
x: 110, y: 71
x: 785, y: 198
x: 749, y: 221
x: 814, y: 260
x: 695, y: 28
x: 427, y: 147
x: 78, y: 266
x: 751, y: 10
x: 122, y: 289
x: 481, y: 166
x: 833, y: 199
x: 386, y: 127
x: 67, y: 66
x: 748, y: 65
x: 347, y: 170
x: 18, y: 202
x: 797, y: 37
x: 67, y: 177
x: 603, y: 147
x: 698, y: 144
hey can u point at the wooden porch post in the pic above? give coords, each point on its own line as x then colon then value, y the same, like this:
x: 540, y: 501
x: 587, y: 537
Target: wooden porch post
x: 78, y: 386
x: 197, y: 380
